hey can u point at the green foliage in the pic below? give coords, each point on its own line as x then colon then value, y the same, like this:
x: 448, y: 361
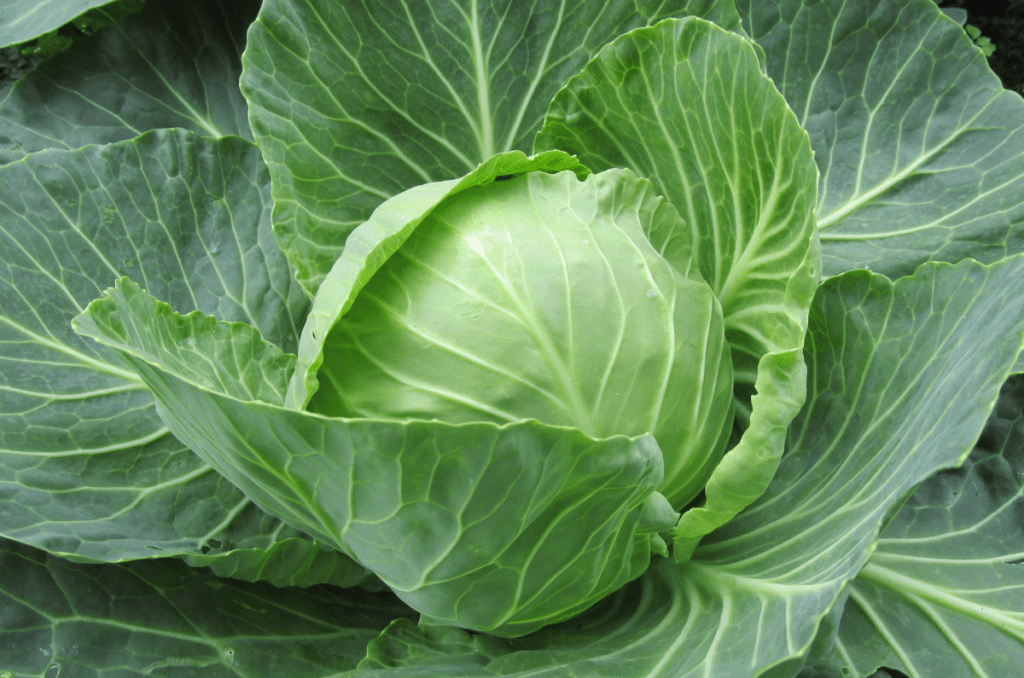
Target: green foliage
x: 717, y: 382
x: 55, y: 41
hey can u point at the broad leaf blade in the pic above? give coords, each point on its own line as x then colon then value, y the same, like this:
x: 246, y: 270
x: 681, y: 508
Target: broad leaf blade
x: 164, y: 618
x: 920, y: 149
x: 685, y: 104
x: 170, y: 65
x: 87, y: 468
x: 23, y: 20
x: 475, y: 525
x: 353, y: 103
x: 288, y: 561
x: 902, y: 378
x: 947, y: 574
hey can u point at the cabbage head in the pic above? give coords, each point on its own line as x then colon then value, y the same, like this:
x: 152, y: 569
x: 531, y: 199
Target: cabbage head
x: 535, y: 297
x: 515, y: 388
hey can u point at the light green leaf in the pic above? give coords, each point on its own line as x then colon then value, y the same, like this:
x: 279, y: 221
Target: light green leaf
x: 170, y: 65
x: 22, y: 20
x: 475, y: 525
x: 162, y: 618
x: 228, y: 358
x: 902, y: 378
x: 87, y: 468
x: 685, y: 104
x: 58, y: 40
x: 355, y: 102
x: 488, y: 312
x: 746, y: 469
x: 920, y: 149
x: 947, y: 572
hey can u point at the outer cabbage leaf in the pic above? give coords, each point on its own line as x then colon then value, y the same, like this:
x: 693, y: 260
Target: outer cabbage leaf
x: 87, y: 468
x: 920, y: 149
x: 163, y: 618
x: 686, y: 105
x: 902, y: 379
x: 475, y: 525
x: 57, y: 40
x: 170, y: 65
x: 353, y: 103
x: 23, y: 20
x: 947, y: 571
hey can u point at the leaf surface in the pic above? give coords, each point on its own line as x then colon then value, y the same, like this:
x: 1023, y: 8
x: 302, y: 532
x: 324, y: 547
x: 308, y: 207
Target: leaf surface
x: 454, y: 518
x: 686, y: 105
x: 947, y: 571
x: 170, y: 65
x: 87, y: 468
x: 902, y: 379
x: 380, y: 237
x: 353, y: 103
x: 22, y: 20
x: 920, y: 149
x: 163, y: 618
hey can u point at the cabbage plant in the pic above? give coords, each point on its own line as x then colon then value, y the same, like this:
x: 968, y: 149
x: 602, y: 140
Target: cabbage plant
x: 466, y: 338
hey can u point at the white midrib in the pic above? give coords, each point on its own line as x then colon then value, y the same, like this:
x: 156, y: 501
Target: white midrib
x: 923, y: 591
x: 485, y: 138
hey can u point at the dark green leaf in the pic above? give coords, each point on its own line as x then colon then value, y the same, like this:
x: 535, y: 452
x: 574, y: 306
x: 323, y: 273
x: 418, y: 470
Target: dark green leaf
x: 948, y: 573
x: 921, y: 150
x: 174, y: 64
x: 162, y: 618
x: 902, y: 379
x: 87, y: 468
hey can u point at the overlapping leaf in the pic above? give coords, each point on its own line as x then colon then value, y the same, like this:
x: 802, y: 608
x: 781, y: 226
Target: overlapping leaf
x: 947, y: 573
x: 902, y: 379
x: 355, y: 102
x: 685, y: 104
x: 162, y: 618
x: 170, y: 65
x: 23, y: 20
x: 380, y: 237
x: 920, y: 149
x: 87, y: 468
x: 475, y: 525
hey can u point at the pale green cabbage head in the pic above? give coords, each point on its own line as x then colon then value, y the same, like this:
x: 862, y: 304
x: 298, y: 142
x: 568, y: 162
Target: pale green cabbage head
x: 539, y: 297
